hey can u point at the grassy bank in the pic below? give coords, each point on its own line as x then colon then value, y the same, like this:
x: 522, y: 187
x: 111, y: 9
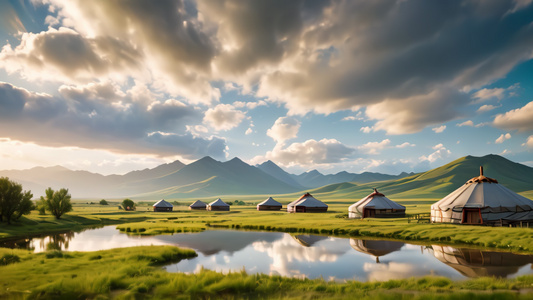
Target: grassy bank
x: 134, y: 273
x: 146, y: 222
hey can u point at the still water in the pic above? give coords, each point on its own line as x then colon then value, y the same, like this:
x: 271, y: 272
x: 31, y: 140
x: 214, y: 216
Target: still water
x: 302, y: 256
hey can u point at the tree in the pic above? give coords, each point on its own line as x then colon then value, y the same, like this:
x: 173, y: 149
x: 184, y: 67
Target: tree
x: 13, y: 201
x: 128, y: 204
x: 103, y: 202
x: 57, y: 202
x: 40, y: 205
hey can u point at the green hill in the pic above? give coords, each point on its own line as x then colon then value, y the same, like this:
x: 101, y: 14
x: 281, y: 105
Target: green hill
x: 440, y: 181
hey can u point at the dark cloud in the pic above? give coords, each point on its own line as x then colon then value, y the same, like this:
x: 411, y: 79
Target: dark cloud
x: 100, y: 116
x: 320, y: 56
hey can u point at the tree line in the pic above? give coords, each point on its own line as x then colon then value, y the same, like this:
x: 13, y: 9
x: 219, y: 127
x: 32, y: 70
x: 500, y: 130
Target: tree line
x: 14, y: 202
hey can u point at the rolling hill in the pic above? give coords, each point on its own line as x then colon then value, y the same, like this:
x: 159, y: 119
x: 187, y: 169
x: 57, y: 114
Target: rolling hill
x: 440, y: 181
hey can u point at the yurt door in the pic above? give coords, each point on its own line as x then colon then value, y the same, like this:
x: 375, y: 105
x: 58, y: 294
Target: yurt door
x: 472, y: 216
x: 369, y: 213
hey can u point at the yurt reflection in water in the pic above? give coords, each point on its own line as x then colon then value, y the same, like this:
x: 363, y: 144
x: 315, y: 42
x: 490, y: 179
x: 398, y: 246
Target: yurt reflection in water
x: 479, y: 263
x: 376, y: 248
x: 308, y: 240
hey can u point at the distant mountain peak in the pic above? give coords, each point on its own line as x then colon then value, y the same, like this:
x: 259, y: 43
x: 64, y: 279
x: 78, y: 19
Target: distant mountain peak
x: 314, y: 172
x: 236, y: 159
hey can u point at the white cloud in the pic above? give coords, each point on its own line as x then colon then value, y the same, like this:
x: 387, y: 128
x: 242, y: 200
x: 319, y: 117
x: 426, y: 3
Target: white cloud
x: 309, y: 153
x: 486, y: 94
x: 503, y: 138
x: 248, y: 131
x: 249, y: 105
x: 439, y: 129
x: 223, y: 117
x: 440, y: 153
x: 366, y: 129
x: 466, y: 123
x: 529, y: 142
x: 374, y: 147
x: 486, y: 107
x: 357, y: 117
x: 285, y: 128
x: 517, y: 119
x: 405, y: 145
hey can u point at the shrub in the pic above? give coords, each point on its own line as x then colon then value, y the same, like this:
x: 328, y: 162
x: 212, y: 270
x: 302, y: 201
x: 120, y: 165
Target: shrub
x: 9, y: 259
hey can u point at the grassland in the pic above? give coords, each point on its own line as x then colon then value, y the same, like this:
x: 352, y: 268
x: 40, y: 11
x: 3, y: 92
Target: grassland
x: 146, y: 222
x: 134, y: 273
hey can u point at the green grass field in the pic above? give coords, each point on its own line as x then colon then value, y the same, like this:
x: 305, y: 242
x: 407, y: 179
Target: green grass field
x: 133, y: 273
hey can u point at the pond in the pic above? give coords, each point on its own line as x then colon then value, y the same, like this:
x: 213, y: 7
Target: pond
x: 302, y: 256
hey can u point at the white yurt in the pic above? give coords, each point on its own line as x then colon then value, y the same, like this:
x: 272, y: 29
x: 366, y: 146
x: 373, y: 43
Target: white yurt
x: 269, y: 204
x: 218, y: 205
x: 307, y: 203
x: 376, y: 205
x: 482, y: 200
x: 198, y: 205
x: 162, y: 205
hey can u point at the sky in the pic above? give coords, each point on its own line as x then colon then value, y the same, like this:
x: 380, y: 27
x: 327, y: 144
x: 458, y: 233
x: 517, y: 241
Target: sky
x: 380, y: 86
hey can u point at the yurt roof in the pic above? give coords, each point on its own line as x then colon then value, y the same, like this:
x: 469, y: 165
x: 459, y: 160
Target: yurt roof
x: 375, y: 247
x: 308, y: 200
x: 375, y: 200
x: 198, y: 203
x: 480, y: 192
x: 162, y: 203
x: 218, y: 202
x: 269, y: 202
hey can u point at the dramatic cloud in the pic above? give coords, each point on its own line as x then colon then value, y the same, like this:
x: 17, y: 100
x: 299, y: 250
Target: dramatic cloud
x: 223, y: 117
x: 502, y: 138
x: 439, y: 129
x: 517, y: 119
x: 285, y: 128
x: 321, y: 57
x: 101, y: 116
x: 120, y: 39
x: 310, y: 152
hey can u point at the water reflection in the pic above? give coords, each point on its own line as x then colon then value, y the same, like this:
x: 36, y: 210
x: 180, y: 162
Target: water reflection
x: 308, y: 240
x: 376, y: 248
x: 478, y: 263
x: 302, y: 256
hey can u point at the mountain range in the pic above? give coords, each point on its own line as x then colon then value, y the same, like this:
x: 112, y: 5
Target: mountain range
x: 207, y: 177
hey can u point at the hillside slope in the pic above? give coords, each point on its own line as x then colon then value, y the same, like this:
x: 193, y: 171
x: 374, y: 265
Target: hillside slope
x: 441, y: 181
